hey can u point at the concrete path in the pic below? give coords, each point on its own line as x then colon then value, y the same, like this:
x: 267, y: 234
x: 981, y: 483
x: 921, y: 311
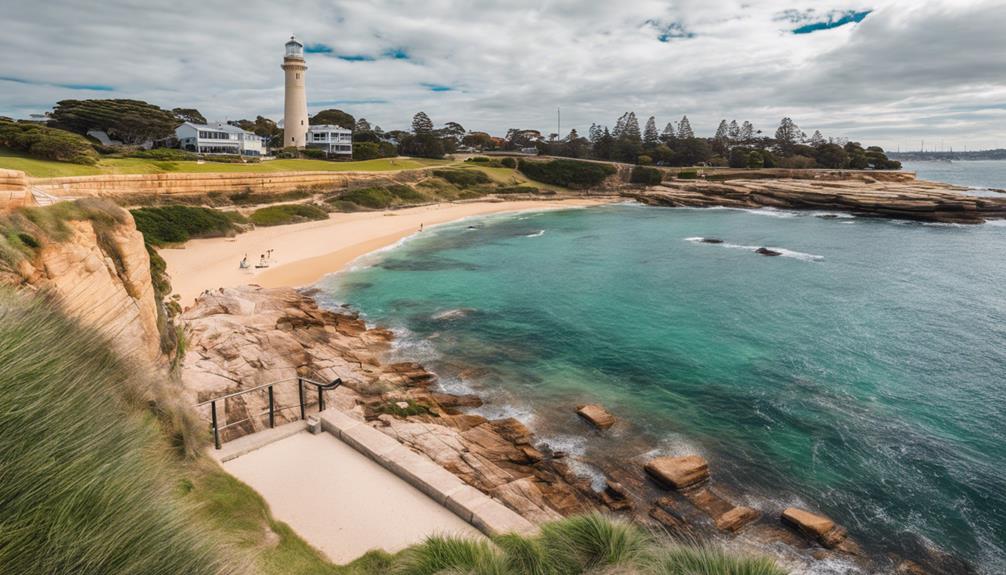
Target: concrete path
x: 339, y: 500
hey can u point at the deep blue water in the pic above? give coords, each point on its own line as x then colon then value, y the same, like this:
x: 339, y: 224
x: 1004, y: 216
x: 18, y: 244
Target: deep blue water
x: 862, y: 374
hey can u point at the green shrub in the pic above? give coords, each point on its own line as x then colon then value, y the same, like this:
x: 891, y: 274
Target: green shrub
x: 87, y: 487
x: 645, y: 176
x: 373, y: 198
x: 287, y: 214
x: 338, y: 205
x: 177, y: 224
x: 509, y: 162
x: 687, y: 175
x: 166, y: 154
x: 314, y: 153
x: 567, y: 173
x: 230, y: 159
x: 516, y: 190
x: 406, y: 194
x: 479, y: 159
x: 463, y: 178
x: 248, y: 197
x: 46, y: 143
x: 366, y: 150
x: 644, y: 160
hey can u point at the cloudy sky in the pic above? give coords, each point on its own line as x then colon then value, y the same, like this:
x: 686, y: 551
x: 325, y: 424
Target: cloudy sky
x: 891, y: 72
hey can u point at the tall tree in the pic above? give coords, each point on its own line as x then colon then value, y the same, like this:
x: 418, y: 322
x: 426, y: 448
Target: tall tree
x: 722, y: 132
x: 650, y: 135
x: 594, y: 133
x: 685, y: 129
x: 734, y: 131
x: 747, y: 132
x: 787, y: 135
x: 333, y: 117
x: 817, y: 140
x: 129, y: 121
x: 669, y: 132
x: 631, y: 131
x: 620, y: 126
x: 453, y: 130
x: 421, y: 124
x: 362, y: 125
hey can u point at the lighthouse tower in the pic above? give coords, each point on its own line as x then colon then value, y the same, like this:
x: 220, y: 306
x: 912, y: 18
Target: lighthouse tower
x: 295, y: 109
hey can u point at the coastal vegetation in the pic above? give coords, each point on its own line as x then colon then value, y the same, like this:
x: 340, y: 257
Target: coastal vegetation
x: 166, y: 225
x: 283, y: 214
x: 131, y: 122
x: 589, y: 543
x: 567, y: 173
x: 45, y: 144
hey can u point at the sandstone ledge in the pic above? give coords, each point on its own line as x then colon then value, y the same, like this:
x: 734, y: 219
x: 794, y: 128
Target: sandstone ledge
x: 909, y: 200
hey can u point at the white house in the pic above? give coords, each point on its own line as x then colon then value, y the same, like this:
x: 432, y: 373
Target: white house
x: 332, y: 139
x: 219, y: 138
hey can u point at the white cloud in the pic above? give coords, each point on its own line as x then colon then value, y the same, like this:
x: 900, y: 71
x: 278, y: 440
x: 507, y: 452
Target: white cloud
x: 909, y: 70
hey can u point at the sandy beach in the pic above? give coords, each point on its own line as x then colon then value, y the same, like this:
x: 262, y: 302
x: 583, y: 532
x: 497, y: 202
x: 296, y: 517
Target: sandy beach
x: 303, y: 253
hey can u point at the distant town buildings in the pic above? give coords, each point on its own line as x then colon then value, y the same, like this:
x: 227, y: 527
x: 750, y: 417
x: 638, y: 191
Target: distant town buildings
x: 219, y: 138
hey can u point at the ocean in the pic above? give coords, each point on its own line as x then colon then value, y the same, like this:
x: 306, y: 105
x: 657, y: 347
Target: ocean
x: 862, y: 374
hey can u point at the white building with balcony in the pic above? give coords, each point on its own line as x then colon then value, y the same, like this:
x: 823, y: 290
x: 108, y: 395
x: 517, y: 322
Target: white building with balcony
x: 219, y: 138
x: 335, y: 140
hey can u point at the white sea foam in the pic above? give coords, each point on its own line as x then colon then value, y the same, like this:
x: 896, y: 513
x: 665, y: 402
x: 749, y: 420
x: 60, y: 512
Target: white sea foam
x: 782, y: 251
x: 537, y: 234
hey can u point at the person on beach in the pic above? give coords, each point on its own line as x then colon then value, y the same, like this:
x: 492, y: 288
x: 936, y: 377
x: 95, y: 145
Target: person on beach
x: 244, y: 263
x: 420, y: 226
x: 262, y: 263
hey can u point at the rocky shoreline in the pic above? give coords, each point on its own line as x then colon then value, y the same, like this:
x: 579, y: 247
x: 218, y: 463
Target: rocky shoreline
x: 243, y: 337
x: 862, y: 195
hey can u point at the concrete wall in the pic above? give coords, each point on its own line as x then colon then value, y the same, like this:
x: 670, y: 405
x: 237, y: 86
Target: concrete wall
x: 187, y: 183
x: 14, y: 189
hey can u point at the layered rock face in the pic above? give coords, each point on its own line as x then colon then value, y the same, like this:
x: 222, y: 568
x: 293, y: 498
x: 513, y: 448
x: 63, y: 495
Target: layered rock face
x: 103, y: 280
x: 909, y: 200
x: 245, y: 337
x: 13, y: 189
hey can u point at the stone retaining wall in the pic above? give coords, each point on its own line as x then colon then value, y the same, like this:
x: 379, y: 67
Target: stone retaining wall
x: 201, y: 183
x: 14, y: 190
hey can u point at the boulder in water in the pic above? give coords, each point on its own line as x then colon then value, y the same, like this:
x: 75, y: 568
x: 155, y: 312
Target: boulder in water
x: 813, y: 526
x: 711, y: 241
x: 678, y: 472
x: 827, y: 216
x: 767, y: 252
x: 596, y: 415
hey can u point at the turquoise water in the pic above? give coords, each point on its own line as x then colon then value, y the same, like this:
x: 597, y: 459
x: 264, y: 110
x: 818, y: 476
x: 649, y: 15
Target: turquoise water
x: 860, y: 374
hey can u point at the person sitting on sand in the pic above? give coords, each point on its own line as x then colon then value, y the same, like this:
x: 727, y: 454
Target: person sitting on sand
x: 262, y: 263
x: 244, y: 263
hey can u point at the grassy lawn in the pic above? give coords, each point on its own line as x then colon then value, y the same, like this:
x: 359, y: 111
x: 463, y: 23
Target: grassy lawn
x: 49, y: 169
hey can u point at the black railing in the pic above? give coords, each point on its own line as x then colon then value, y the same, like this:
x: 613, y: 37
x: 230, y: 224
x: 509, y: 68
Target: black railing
x: 216, y: 428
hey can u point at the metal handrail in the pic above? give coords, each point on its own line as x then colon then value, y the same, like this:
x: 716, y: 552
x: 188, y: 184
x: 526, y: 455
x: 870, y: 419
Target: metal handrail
x: 321, y: 387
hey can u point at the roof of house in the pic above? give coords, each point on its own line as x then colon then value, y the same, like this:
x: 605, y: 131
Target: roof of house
x: 327, y: 128
x: 219, y: 127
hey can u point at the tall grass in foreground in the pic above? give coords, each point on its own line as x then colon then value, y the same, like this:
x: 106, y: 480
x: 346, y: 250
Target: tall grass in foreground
x: 585, y: 544
x: 85, y: 481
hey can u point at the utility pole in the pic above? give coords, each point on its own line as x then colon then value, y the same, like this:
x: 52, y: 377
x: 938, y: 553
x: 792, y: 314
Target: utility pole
x: 558, y: 123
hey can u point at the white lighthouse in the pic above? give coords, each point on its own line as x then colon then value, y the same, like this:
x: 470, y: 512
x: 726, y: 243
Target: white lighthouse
x: 295, y: 108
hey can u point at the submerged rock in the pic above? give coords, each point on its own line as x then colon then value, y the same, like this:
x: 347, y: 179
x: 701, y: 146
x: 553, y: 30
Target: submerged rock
x: 596, y: 415
x: 678, y: 472
x: 711, y: 241
x: 767, y: 252
x: 817, y: 527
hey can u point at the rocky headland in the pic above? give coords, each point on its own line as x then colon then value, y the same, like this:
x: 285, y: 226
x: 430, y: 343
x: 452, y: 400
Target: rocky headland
x: 885, y: 195
x: 244, y: 337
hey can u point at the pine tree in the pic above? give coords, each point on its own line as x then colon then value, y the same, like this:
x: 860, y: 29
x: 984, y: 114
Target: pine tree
x: 650, y: 135
x: 669, y: 132
x: 573, y: 135
x: 632, y: 128
x: 620, y: 126
x: 594, y: 133
x: 817, y: 139
x: 747, y: 132
x: 722, y: 132
x: 362, y: 125
x: 685, y: 129
x: 734, y: 131
x: 787, y: 135
x: 421, y: 124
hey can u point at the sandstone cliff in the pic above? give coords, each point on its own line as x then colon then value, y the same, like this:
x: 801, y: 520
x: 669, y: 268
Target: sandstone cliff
x: 100, y: 274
